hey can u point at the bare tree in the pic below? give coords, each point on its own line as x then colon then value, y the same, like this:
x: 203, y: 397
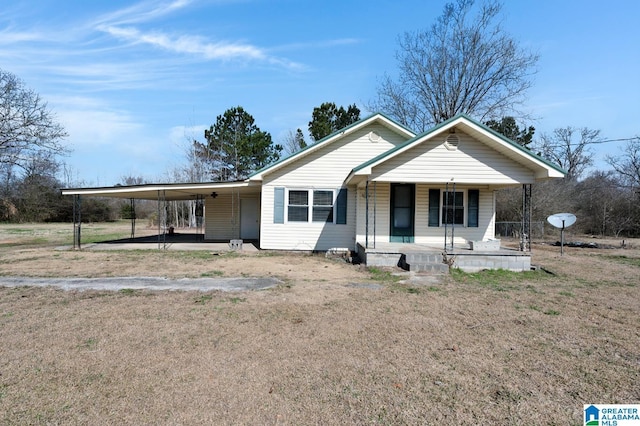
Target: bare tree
x: 293, y: 142
x: 131, y: 180
x: 628, y: 164
x: 27, y: 127
x: 462, y: 64
x: 562, y: 148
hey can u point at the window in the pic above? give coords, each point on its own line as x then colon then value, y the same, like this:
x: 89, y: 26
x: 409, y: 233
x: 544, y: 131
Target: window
x: 298, y: 206
x: 449, y: 208
x: 323, y: 206
x: 453, y: 208
x: 326, y: 206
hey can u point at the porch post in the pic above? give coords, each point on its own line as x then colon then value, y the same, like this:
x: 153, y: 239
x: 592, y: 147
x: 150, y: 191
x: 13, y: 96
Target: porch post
x: 375, y: 204
x: 453, y: 217
x: 366, y: 220
x: 445, y: 215
x: 525, y: 234
x: 77, y: 221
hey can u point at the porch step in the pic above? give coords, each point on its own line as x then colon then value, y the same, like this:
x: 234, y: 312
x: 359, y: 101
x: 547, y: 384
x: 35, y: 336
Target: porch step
x: 423, y: 262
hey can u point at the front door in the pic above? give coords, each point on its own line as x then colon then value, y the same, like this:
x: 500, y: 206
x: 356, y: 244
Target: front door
x: 249, y: 214
x: 402, y: 212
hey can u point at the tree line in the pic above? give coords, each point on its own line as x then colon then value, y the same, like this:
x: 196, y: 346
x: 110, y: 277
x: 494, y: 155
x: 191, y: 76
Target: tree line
x: 465, y: 62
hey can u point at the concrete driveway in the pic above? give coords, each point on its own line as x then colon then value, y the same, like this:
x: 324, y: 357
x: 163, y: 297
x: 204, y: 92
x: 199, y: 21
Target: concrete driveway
x: 144, y: 283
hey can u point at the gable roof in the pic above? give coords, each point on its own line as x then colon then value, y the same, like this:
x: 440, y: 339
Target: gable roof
x: 374, y: 118
x: 542, y: 167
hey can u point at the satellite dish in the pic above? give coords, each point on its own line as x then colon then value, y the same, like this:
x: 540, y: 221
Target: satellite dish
x: 562, y: 220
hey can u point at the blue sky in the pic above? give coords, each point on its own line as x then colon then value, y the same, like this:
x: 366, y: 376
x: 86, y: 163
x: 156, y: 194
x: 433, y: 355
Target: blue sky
x: 133, y: 81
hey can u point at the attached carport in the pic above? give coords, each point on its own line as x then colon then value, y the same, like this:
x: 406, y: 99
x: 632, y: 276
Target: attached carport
x: 221, y: 201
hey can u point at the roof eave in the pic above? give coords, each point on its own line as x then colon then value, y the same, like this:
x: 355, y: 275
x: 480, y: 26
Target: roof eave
x: 538, y: 163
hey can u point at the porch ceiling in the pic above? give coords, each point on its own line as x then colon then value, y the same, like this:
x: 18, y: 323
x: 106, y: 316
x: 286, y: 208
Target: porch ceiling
x: 170, y: 192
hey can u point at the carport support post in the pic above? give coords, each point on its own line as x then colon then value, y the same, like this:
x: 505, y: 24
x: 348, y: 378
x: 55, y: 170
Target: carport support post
x: 525, y: 235
x: 133, y: 217
x: 77, y: 221
x: 162, y: 220
x: 199, y: 213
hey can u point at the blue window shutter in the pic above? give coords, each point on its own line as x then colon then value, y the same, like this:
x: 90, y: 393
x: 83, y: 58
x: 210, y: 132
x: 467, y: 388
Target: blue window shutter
x: 278, y: 205
x: 434, y: 207
x: 474, y: 207
x: 341, y: 207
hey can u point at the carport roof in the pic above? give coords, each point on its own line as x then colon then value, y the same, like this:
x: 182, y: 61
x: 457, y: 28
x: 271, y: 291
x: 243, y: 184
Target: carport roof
x: 167, y: 191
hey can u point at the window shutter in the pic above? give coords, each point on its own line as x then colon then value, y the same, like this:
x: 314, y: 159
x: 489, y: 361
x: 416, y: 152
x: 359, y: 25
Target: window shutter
x: 341, y: 207
x: 434, y: 207
x: 278, y: 205
x: 474, y: 207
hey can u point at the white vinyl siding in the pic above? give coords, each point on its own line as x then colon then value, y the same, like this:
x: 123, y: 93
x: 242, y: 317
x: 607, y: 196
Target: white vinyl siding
x: 471, y: 163
x: 379, y: 210
x: 222, y: 220
x: 330, y: 165
x: 308, y: 235
x: 322, y: 170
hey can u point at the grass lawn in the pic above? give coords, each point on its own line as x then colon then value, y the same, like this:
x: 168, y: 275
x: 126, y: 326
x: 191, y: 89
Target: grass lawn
x: 325, y: 347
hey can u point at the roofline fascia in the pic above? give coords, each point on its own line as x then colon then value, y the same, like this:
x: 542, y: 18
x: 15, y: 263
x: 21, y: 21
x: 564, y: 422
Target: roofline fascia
x: 450, y: 123
x: 123, y: 189
x: 516, y: 145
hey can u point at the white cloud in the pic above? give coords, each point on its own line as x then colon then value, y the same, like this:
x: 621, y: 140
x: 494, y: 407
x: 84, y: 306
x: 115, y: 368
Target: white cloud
x: 182, y: 136
x: 141, y: 12
x: 120, y: 25
x: 188, y: 44
x: 90, y: 123
x: 10, y: 37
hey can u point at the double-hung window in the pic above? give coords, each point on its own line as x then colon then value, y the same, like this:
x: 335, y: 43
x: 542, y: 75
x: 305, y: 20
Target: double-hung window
x: 452, y: 208
x: 298, y: 210
x: 323, y: 206
x: 310, y: 205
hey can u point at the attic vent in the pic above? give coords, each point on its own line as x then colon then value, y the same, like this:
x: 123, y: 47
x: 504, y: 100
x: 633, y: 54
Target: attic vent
x: 374, y: 137
x: 452, y: 142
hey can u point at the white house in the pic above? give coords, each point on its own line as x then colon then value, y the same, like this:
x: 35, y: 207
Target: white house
x: 365, y: 188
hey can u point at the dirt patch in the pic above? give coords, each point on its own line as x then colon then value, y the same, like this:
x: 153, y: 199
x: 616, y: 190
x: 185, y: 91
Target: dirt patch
x: 332, y: 344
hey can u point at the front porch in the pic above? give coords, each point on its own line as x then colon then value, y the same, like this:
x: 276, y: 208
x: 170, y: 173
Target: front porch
x: 432, y: 258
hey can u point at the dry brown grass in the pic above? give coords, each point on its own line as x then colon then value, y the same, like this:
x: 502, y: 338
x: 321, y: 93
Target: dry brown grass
x: 484, y: 348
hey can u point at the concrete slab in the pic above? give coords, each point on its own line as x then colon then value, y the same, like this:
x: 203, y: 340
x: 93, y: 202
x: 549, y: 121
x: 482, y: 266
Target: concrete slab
x: 144, y: 283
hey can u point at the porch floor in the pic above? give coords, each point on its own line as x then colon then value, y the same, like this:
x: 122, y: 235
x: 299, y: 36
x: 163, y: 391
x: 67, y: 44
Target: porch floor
x: 426, y: 257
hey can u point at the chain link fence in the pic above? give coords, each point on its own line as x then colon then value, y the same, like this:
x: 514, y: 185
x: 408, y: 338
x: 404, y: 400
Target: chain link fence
x: 513, y: 229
